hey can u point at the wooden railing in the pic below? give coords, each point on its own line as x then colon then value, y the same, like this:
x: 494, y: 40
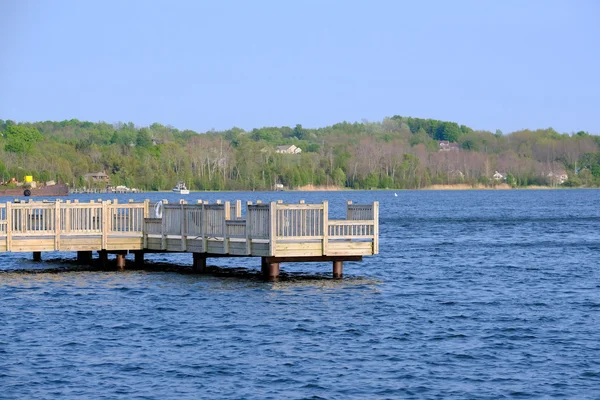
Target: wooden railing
x: 82, y: 217
x: 153, y: 226
x: 272, y: 222
x: 360, y: 211
x: 344, y: 229
x: 258, y: 221
x: 2, y: 219
x: 300, y: 220
x: 267, y: 223
x: 39, y: 218
x: 236, y: 228
x: 58, y: 225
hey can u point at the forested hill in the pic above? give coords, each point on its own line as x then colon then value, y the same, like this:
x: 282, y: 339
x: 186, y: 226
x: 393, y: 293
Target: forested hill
x: 398, y: 152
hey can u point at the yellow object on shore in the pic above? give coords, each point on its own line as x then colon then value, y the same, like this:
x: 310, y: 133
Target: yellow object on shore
x: 28, y: 179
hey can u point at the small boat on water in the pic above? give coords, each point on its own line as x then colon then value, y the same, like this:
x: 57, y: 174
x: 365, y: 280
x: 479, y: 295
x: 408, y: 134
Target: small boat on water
x: 181, y: 188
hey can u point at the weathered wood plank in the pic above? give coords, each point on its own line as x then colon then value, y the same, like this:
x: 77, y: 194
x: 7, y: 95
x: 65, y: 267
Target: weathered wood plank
x: 299, y: 253
x: 298, y: 246
x: 313, y: 259
x: 352, y: 248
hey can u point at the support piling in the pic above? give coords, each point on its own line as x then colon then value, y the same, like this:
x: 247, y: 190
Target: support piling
x: 338, y: 267
x: 121, y: 262
x: 272, y: 271
x: 199, y: 265
x: 37, y: 256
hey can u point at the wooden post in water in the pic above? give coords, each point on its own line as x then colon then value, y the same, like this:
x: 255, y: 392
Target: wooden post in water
x: 273, y: 271
x: 338, y: 267
x: 270, y: 270
x: 199, y: 264
x: 37, y: 256
x: 121, y: 262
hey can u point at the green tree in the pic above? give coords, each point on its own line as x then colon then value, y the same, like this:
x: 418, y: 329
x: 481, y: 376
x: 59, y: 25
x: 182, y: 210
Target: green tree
x: 143, y: 138
x: 339, y: 177
x: 299, y: 132
x: 20, y: 139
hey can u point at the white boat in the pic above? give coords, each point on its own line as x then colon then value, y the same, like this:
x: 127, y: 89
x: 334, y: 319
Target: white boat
x: 181, y: 188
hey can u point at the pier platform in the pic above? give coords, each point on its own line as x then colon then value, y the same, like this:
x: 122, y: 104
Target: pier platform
x: 274, y: 231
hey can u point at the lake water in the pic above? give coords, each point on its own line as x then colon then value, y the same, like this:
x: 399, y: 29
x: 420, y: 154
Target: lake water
x: 475, y: 294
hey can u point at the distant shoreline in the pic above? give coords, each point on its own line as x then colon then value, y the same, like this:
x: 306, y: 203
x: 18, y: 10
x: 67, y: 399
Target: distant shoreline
x: 459, y: 186
x: 331, y: 188
x: 503, y: 186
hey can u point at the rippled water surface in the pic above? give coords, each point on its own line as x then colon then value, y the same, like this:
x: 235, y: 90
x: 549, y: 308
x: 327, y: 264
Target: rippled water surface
x: 483, y: 294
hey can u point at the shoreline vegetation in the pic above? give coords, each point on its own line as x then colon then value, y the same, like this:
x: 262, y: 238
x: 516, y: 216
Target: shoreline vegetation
x: 396, y: 153
x: 440, y: 187
x: 460, y: 186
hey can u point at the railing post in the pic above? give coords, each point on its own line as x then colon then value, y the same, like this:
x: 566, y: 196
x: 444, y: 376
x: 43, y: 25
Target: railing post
x: 348, y: 212
x: 57, y: 225
x: 115, y: 221
x: 203, y: 228
x: 68, y: 216
x: 77, y: 215
x: 325, y: 226
x: 9, y: 226
x: 238, y: 209
x: 163, y: 227
x: 105, y: 224
x: 144, y: 233
x: 272, y: 227
x: 227, y: 210
x: 226, y: 217
x: 248, y: 237
x: 183, y: 225
x: 23, y: 218
x: 376, y: 227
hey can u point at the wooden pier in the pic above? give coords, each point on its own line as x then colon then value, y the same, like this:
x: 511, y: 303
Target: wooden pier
x: 274, y: 231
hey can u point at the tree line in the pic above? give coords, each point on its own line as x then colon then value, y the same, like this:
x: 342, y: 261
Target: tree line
x: 397, y: 152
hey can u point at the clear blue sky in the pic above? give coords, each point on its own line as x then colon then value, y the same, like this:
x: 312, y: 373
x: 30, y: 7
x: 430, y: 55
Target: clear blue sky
x: 205, y: 65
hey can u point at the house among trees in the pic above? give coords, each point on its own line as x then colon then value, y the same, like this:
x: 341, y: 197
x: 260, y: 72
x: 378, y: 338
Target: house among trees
x: 558, y: 178
x: 97, y: 177
x: 288, y: 149
x: 445, y: 145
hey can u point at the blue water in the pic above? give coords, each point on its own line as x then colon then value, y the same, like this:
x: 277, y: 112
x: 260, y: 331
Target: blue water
x: 476, y: 294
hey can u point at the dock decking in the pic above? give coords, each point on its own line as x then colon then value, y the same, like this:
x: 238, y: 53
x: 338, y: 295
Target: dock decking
x: 274, y: 231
